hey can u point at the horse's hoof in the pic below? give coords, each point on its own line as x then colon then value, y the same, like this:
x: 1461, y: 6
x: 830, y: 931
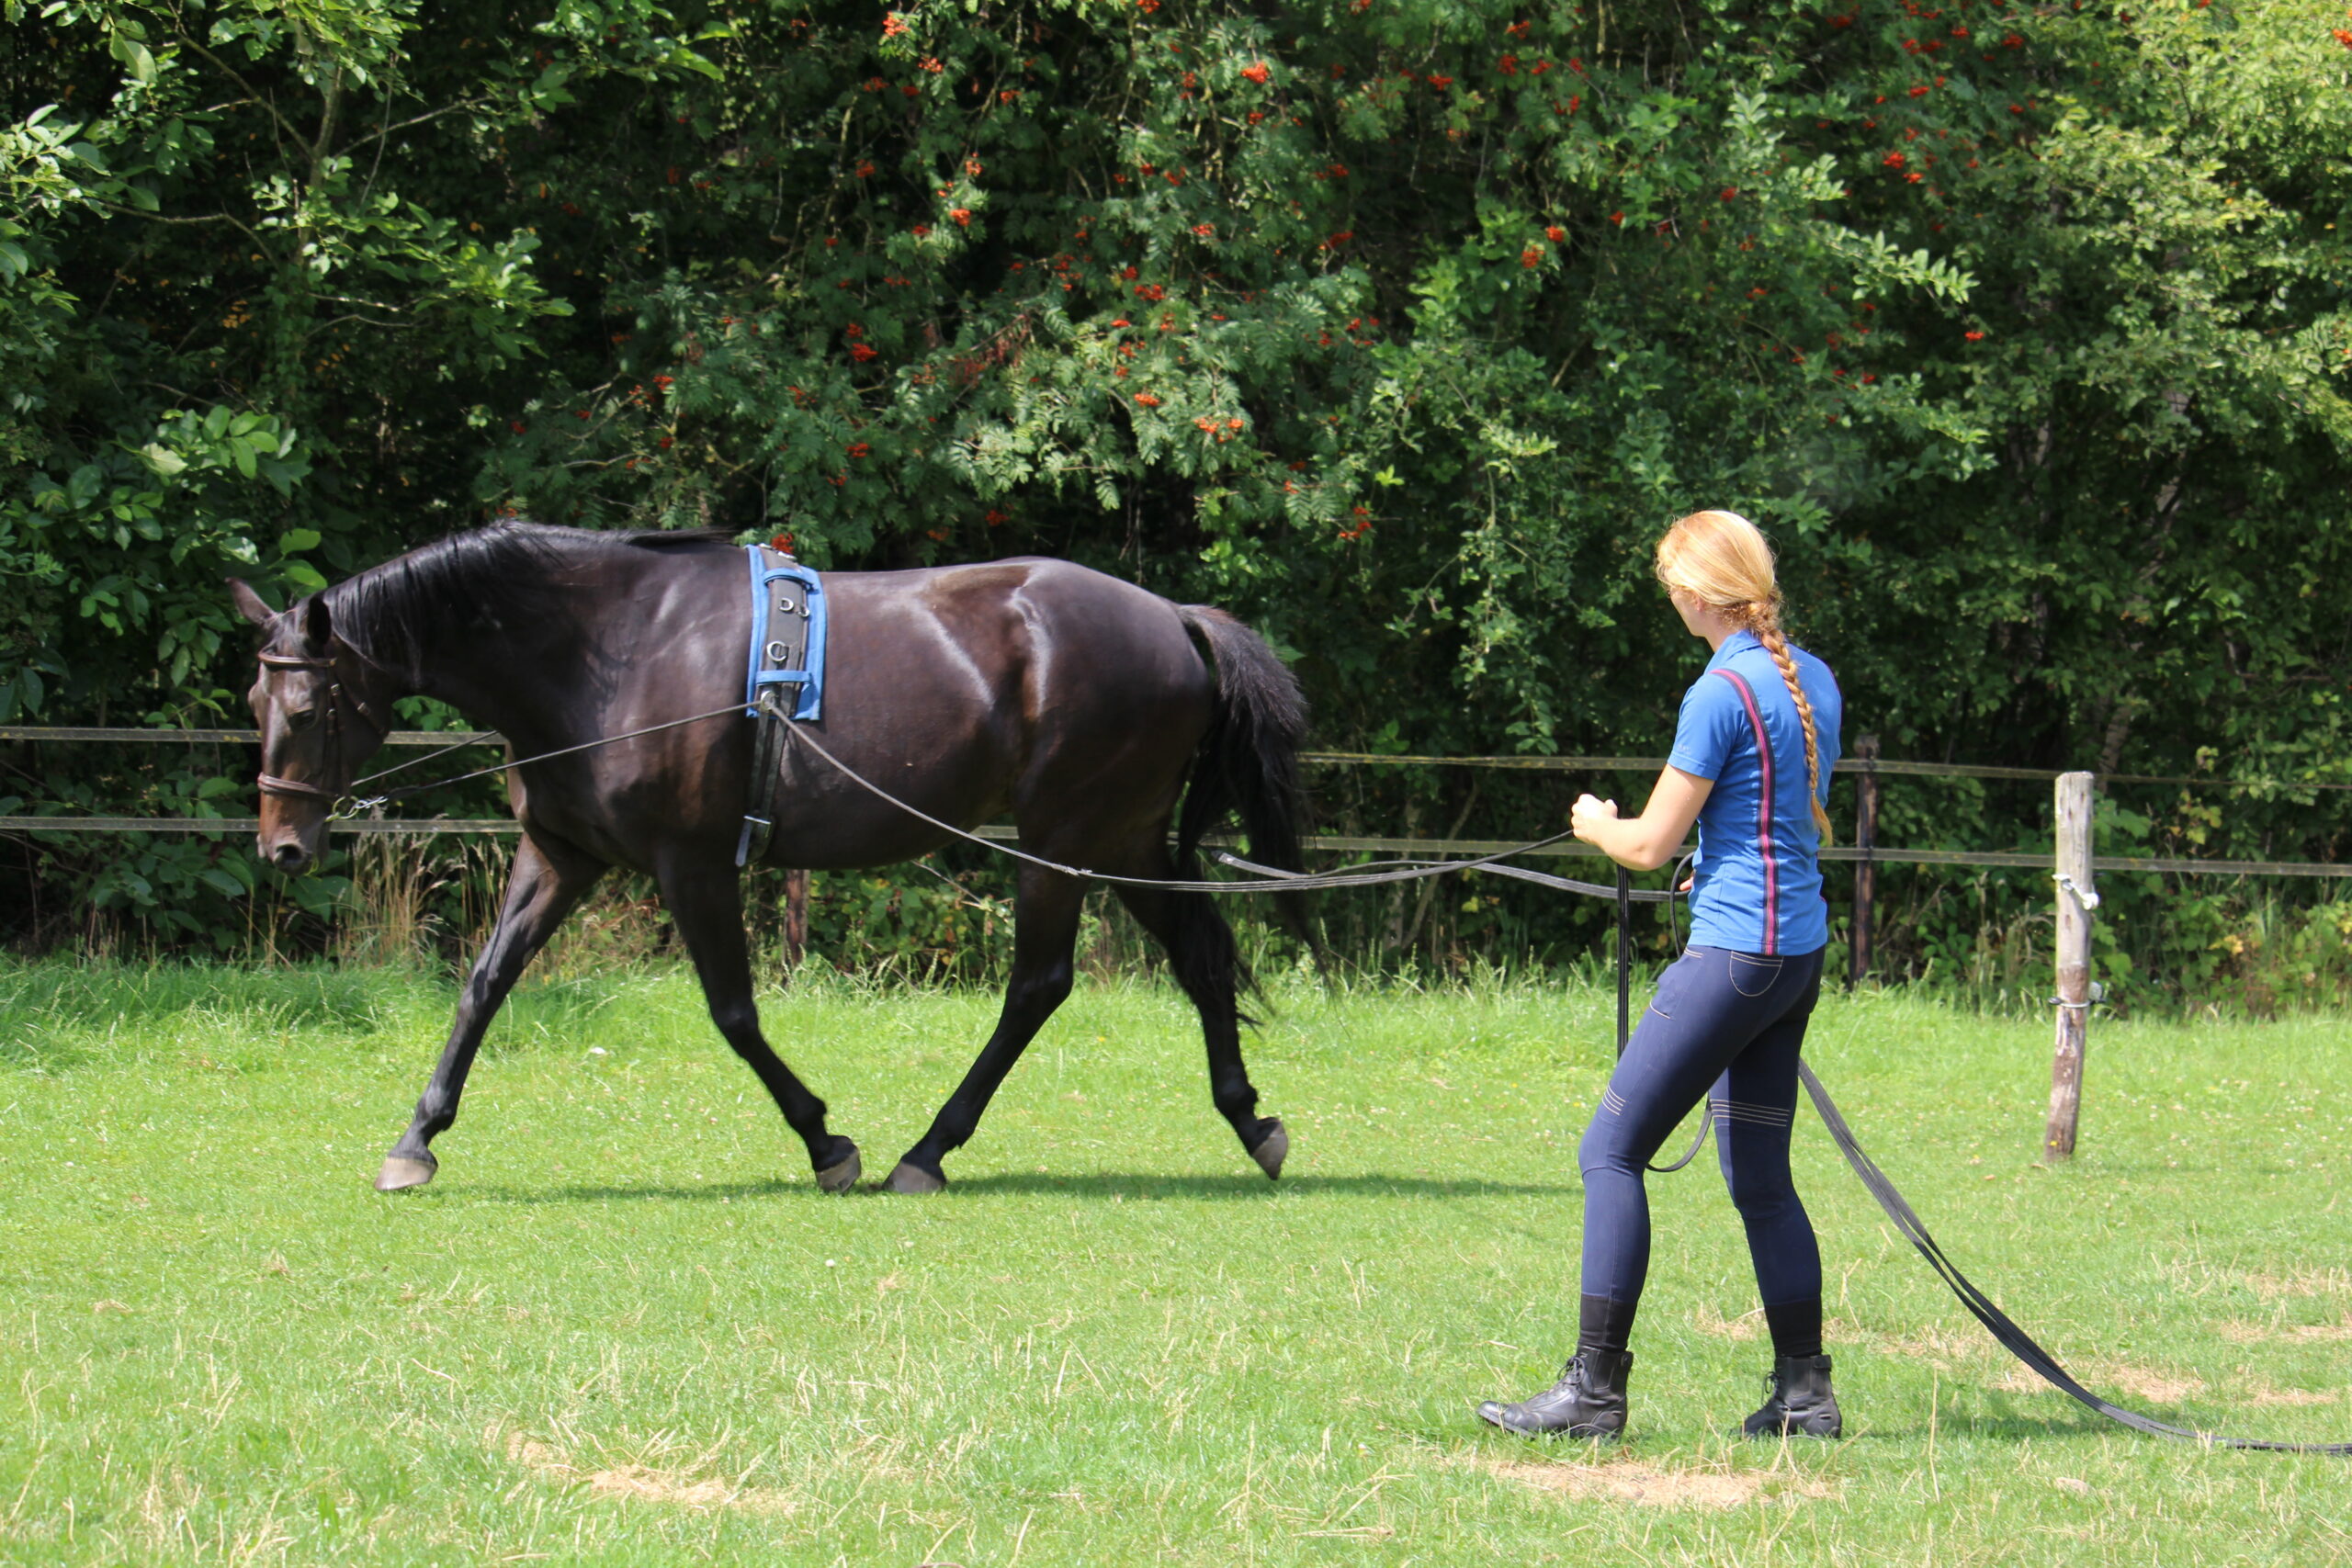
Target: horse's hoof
x: 1272, y: 1150
x: 842, y: 1174
x: 400, y: 1172
x: 913, y: 1178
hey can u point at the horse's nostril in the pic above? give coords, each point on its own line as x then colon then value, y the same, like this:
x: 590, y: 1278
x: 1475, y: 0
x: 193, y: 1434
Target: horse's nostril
x: 289, y: 858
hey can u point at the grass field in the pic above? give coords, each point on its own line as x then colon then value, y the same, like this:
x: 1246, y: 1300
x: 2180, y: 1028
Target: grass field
x: 624, y: 1328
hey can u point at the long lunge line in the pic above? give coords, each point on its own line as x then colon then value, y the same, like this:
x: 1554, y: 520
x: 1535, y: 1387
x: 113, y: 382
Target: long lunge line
x: 1373, y: 874
x: 2003, y: 1327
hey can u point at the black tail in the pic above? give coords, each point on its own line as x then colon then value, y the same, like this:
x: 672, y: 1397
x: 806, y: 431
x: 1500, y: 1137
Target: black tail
x: 1246, y: 766
x: 1247, y: 763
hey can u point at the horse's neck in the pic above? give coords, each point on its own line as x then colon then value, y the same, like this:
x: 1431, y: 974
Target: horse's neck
x: 499, y: 675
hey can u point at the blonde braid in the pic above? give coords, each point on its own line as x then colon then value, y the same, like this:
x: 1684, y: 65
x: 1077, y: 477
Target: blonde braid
x: 1721, y: 558
x: 1763, y: 618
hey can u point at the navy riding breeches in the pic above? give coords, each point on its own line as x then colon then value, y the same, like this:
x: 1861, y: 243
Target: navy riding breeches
x: 1734, y: 1021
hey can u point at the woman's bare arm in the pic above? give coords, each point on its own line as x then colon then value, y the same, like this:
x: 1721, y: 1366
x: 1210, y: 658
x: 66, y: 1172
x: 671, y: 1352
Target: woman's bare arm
x: 1649, y: 840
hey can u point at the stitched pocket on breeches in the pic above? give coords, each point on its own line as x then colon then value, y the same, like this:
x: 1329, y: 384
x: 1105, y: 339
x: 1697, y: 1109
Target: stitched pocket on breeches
x: 1751, y: 977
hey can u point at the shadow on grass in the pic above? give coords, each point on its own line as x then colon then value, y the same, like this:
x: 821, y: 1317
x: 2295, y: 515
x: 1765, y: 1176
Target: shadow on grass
x: 1997, y: 1427
x: 1443, y: 1424
x: 689, y: 1192
x: 1245, y: 1185
x: 1097, y: 1189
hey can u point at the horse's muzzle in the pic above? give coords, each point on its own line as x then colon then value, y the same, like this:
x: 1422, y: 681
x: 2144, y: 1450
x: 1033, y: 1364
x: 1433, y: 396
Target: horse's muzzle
x: 287, y: 841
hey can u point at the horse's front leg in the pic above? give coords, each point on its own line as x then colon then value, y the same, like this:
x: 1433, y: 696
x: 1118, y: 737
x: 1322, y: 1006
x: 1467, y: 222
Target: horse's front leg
x: 705, y: 899
x: 545, y: 884
x: 1044, y: 937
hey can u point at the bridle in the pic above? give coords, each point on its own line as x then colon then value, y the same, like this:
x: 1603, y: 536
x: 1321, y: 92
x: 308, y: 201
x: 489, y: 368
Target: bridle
x: 338, y: 696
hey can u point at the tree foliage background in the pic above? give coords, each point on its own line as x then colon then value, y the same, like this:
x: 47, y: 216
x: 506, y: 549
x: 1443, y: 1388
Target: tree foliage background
x: 1400, y: 327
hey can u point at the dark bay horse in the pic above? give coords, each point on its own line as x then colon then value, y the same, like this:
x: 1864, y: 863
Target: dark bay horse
x: 1080, y: 703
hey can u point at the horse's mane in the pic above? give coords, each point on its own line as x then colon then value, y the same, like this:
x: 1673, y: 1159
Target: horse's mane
x: 511, y: 572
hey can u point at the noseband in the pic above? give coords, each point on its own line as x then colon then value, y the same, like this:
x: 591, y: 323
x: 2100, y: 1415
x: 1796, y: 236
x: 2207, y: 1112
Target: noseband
x: 336, y: 697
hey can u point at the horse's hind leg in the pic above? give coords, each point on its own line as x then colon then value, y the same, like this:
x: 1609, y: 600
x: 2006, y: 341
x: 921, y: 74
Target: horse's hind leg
x: 540, y: 891
x: 705, y: 899
x: 1206, y: 964
x: 1044, y: 935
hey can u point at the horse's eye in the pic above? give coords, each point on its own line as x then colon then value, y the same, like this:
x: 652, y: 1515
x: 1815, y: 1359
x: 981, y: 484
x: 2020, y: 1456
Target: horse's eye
x: 301, y: 718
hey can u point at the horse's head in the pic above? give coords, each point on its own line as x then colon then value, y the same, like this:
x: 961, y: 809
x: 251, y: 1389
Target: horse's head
x: 316, y: 720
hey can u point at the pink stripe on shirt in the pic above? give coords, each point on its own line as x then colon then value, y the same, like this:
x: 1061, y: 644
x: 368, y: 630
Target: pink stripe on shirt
x: 1763, y: 815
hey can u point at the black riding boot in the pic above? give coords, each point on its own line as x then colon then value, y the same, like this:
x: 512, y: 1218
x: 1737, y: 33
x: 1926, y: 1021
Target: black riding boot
x: 1588, y: 1401
x: 1800, y: 1403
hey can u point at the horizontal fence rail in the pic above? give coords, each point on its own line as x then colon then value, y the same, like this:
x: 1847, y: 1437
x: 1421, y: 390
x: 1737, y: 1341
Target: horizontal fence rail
x: 1867, y: 766
x: 1846, y: 767
x: 1433, y: 849
x: 237, y: 736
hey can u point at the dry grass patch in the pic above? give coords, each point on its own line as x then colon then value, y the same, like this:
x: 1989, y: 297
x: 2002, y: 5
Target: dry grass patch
x: 2239, y: 1332
x: 646, y: 1483
x: 1747, y: 1326
x: 2265, y: 1394
x: 2021, y: 1379
x: 2139, y: 1382
x: 177, y: 1518
x: 2163, y: 1388
x: 2321, y: 1330
x: 1651, y: 1486
x: 2143, y: 1383
x: 1941, y: 1345
x: 2273, y: 1287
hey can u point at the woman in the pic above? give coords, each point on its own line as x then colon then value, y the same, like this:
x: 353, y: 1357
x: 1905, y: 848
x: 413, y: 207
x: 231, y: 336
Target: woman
x: 1752, y: 754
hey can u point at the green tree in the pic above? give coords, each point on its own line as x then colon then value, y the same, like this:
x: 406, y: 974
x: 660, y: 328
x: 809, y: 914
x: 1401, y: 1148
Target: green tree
x: 1399, y: 326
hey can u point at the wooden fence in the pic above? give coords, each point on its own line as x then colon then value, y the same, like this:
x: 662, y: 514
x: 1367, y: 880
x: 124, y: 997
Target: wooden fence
x: 2072, y: 865
x: 1865, y: 767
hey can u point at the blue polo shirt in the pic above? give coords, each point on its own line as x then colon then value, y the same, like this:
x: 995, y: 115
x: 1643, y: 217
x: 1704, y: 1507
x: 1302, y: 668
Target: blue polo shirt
x: 1759, y: 871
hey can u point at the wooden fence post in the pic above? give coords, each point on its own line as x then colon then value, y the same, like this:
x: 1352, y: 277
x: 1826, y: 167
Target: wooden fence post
x: 795, y: 917
x: 2076, y: 899
x: 1858, y: 936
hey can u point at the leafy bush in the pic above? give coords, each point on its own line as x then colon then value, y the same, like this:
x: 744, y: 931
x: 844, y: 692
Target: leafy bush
x: 1399, y: 329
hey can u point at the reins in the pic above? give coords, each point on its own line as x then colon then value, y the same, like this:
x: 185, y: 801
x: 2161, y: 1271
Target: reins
x: 346, y: 802
x: 348, y: 806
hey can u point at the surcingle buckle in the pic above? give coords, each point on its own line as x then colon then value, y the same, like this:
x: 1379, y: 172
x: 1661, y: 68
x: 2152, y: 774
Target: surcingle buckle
x: 784, y: 679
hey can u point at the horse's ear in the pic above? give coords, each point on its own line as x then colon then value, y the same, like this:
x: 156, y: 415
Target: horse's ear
x: 318, y: 627
x: 249, y: 603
